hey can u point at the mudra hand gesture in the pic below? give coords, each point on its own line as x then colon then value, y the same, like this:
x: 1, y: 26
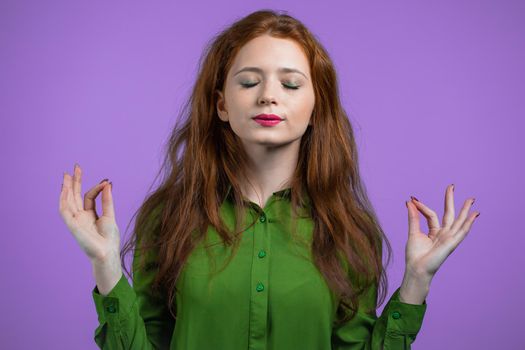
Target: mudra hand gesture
x: 98, y: 237
x: 424, y: 253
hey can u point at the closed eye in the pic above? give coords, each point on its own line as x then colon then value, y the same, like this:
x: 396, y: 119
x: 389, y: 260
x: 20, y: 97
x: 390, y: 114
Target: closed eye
x: 291, y: 87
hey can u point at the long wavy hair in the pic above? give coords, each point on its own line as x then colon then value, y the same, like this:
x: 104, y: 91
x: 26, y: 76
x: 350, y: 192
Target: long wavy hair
x: 204, y: 156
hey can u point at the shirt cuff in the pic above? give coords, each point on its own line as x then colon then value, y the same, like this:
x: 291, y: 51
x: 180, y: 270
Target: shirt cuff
x: 404, y: 318
x: 117, y: 304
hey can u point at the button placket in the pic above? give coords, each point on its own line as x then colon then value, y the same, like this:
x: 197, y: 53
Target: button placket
x: 259, y: 297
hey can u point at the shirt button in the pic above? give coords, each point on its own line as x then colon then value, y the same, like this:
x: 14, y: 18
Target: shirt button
x: 396, y: 315
x: 260, y: 287
x: 262, y: 254
x: 262, y: 218
x: 111, y: 308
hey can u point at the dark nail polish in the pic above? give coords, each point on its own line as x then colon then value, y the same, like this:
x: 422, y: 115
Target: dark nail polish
x: 473, y: 200
x: 452, y: 187
x: 103, y: 181
x: 477, y: 215
x: 414, y: 198
x: 111, y: 184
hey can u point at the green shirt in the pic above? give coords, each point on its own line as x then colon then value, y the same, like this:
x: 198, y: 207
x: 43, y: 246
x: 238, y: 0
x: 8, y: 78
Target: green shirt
x: 269, y: 296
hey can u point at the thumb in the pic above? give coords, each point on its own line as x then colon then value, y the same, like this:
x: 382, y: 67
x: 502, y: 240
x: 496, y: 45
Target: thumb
x: 108, y: 209
x: 413, y: 218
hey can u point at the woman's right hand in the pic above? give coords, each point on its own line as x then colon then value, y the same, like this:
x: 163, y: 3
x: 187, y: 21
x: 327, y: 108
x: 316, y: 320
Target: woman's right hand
x: 99, y: 237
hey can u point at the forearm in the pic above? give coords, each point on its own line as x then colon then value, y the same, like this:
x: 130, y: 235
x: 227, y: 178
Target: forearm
x: 414, y: 288
x: 107, y: 274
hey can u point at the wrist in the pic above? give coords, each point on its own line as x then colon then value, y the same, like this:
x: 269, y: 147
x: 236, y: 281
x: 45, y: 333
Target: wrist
x: 109, y: 259
x: 414, y: 288
x: 107, y: 273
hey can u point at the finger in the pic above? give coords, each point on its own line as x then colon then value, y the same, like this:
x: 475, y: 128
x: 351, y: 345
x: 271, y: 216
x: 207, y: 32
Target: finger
x: 64, y: 207
x: 413, y: 218
x: 462, y: 215
x: 89, y: 196
x: 68, y: 185
x: 62, y: 203
x: 108, y: 209
x: 448, y: 217
x: 429, y: 214
x: 467, y: 224
x: 77, y: 187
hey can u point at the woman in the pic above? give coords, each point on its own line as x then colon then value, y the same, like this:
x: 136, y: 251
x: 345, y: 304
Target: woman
x: 268, y: 185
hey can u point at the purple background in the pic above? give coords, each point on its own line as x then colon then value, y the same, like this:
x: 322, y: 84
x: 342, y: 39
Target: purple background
x: 434, y: 90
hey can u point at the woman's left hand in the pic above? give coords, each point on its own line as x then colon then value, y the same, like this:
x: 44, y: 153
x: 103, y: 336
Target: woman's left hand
x: 424, y: 253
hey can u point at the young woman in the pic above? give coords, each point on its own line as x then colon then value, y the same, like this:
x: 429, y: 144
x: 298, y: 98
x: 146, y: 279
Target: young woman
x: 262, y: 235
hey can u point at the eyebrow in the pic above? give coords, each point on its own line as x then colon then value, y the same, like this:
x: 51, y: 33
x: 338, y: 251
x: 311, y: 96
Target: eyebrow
x: 280, y: 70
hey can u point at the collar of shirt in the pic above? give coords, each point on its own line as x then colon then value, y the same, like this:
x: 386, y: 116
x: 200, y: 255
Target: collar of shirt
x: 284, y: 193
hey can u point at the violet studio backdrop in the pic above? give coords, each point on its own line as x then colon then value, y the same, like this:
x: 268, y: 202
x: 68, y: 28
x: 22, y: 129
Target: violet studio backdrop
x: 434, y: 90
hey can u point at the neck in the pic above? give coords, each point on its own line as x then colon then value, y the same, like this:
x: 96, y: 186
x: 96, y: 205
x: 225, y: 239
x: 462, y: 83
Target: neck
x: 270, y: 170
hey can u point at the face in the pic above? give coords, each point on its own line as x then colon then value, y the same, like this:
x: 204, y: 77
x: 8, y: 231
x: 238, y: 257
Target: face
x: 258, y: 84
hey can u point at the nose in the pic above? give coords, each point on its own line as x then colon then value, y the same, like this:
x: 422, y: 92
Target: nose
x: 266, y: 96
x: 266, y: 100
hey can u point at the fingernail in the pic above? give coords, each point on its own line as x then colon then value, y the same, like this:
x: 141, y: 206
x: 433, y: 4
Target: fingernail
x: 477, y: 215
x: 111, y: 184
x: 452, y: 187
x: 406, y: 203
x: 473, y: 199
x: 103, y: 181
x: 414, y: 198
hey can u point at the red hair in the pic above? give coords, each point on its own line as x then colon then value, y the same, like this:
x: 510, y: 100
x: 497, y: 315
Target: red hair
x: 205, y: 156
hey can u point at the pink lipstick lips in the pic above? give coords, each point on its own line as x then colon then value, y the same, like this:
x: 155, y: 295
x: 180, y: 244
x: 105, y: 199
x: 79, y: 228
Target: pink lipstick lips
x: 267, y: 119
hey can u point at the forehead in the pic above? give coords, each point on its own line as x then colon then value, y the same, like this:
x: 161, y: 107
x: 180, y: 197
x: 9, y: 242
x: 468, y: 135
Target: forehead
x: 269, y: 53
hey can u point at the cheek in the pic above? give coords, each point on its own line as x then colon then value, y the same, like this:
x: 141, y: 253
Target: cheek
x: 304, y: 107
x: 240, y: 107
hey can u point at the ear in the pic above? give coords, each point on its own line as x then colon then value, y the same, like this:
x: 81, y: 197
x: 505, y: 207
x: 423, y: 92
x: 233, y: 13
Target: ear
x: 221, y: 106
